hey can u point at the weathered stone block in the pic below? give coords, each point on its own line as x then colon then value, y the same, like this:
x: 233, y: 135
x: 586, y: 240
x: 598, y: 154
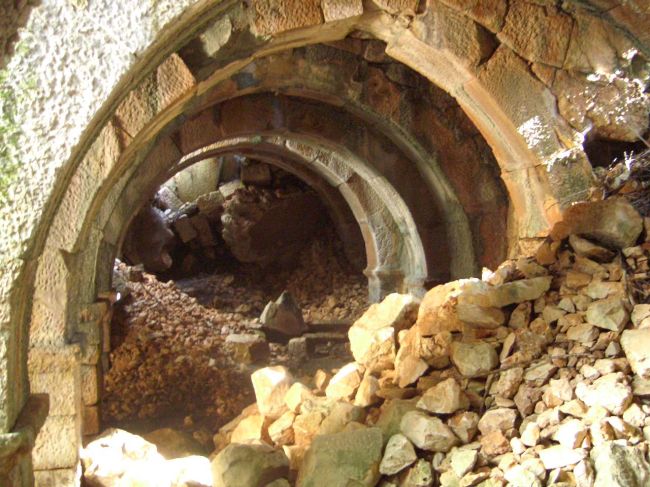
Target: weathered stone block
x: 89, y: 384
x: 90, y: 420
x: 275, y: 16
x: 341, y: 9
x: 57, y: 444
x: 66, y: 477
x: 536, y: 32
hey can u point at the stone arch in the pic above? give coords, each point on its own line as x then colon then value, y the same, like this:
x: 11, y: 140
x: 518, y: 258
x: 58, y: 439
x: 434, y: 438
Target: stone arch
x: 542, y: 174
x: 393, y: 248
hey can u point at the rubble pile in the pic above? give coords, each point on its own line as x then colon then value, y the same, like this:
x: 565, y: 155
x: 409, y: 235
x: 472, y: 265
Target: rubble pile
x: 630, y: 179
x: 536, y: 374
x: 321, y: 281
x: 168, y: 348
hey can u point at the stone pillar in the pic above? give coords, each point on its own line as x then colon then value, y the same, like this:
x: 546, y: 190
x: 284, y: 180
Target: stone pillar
x: 16, y: 469
x: 56, y: 371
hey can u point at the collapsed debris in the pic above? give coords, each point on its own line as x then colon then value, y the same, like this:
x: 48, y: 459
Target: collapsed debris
x: 537, y: 374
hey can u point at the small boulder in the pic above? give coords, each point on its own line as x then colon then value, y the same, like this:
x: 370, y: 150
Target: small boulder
x: 345, y: 383
x: 559, y: 456
x: 282, y: 318
x: 585, y: 248
x: 427, y: 433
x: 372, y: 337
x: 612, y: 222
x: 391, y: 414
x: 610, y: 392
x: 474, y: 358
x: 399, y: 454
x: 238, y: 465
x: 347, y: 458
x: 445, y: 397
x: 271, y: 385
x: 620, y: 466
x: 609, y: 313
x: 500, y: 419
x: 419, y: 475
x: 464, y: 425
x: 636, y: 345
x: 463, y: 461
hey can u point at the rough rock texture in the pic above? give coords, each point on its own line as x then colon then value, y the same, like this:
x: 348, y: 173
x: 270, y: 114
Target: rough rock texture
x: 166, y: 349
x: 612, y: 222
x: 620, y: 466
x: 130, y: 43
x: 117, y: 458
x: 347, y: 458
x: 238, y: 465
x: 373, y: 336
x: 262, y: 227
x: 283, y: 317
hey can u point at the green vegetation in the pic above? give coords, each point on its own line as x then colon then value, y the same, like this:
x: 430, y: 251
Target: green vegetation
x: 9, y: 135
x: 12, y: 95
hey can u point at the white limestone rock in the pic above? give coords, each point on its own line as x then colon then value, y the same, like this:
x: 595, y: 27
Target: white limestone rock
x: 345, y: 383
x: 571, y: 433
x: 445, y: 397
x: 609, y: 313
x: 636, y: 345
x: 398, y: 455
x: 372, y: 337
x: 559, y: 456
x: 271, y: 385
x: 474, y: 358
x: 611, y: 392
x: 463, y: 461
x: 427, y: 433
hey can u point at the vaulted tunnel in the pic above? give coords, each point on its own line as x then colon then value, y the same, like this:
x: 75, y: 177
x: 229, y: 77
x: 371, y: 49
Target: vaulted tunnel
x: 439, y: 137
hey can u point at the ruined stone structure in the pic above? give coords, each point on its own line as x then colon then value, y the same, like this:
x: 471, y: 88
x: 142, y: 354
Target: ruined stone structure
x: 449, y: 133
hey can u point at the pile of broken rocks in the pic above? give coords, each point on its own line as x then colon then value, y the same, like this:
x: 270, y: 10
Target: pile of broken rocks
x: 537, y: 374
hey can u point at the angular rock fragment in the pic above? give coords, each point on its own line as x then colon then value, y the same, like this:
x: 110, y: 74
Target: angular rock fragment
x: 347, y: 458
x: 238, y: 465
x: 463, y: 461
x: 587, y: 249
x: 636, y: 345
x: 270, y: 385
x: 620, y: 466
x: 398, y: 455
x: 345, y: 383
x: 613, y: 222
x: 444, y: 398
x: 609, y: 313
x: 610, y: 391
x: 472, y: 359
x: 367, y: 393
x: 560, y: 456
x: 372, y: 337
x: 500, y: 419
x: 427, y: 433
x: 283, y: 317
x: 464, y: 425
x: 247, y: 349
x: 419, y: 475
